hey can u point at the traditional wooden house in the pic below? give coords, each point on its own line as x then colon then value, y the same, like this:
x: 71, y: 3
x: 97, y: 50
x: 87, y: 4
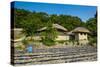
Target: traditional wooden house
x: 81, y: 35
x: 62, y: 32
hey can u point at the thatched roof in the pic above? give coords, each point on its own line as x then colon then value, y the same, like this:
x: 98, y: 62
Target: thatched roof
x: 70, y: 33
x: 57, y: 26
x: 81, y: 29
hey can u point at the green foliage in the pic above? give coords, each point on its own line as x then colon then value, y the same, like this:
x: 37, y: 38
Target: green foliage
x: 69, y: 22
x: 19, y: 16
x: 92, y: 24
x: 19, y: 47
x: 93, y: 42
x: 25, y: 42
x: 41, y: 19
x: 48, y: 42
x: 31, y: 21
x: 49, y: 34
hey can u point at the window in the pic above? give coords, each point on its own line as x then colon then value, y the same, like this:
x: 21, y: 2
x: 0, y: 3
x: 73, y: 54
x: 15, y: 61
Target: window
x: 84, y: 33
x: 81, y: 33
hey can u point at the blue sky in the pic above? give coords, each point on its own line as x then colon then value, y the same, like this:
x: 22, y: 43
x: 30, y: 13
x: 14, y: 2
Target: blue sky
x: 83, y: 12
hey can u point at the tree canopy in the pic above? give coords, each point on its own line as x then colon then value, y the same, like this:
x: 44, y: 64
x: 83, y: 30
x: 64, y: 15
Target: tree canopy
x: 40, y: 19
x: 31, y: 21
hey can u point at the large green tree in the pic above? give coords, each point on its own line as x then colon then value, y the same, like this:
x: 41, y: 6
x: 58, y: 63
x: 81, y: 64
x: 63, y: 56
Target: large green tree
x: 91, y: 24
x: 50, y: 34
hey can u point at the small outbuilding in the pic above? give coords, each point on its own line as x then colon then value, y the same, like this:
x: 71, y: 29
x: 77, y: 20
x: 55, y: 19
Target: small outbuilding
x: 81, y: 33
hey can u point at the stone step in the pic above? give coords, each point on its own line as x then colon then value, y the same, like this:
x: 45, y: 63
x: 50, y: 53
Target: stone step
x: 67, y: 49
x: 57, y: 52
x: 29, y: 56
x: 58, y: 59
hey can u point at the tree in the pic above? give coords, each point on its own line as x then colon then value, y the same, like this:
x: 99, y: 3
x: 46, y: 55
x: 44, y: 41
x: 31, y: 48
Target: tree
x: 54, y: 18
x: 19, y: 16
x: 91, y: 24
x: 49, y: 34
x: 69, y: 22
x: 30, y: 26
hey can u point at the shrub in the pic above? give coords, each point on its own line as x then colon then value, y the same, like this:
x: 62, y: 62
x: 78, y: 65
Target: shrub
x: 48, y: 42
x: 93, y: 42
x: 20, y: 47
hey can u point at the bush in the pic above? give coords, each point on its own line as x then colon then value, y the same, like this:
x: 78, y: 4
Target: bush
x: 48, y: 42
x: 20, y: 47
x: 93, y: 42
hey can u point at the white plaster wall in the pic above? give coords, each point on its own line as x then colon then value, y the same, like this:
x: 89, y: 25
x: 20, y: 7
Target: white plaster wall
x: 83, y: 42
x: 37, y: 37
x: 63, y: 37
x: 58, y: 38
x: 82, y: 36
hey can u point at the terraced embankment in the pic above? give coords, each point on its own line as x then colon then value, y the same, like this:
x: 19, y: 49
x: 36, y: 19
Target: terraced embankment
x: 57, y: 55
